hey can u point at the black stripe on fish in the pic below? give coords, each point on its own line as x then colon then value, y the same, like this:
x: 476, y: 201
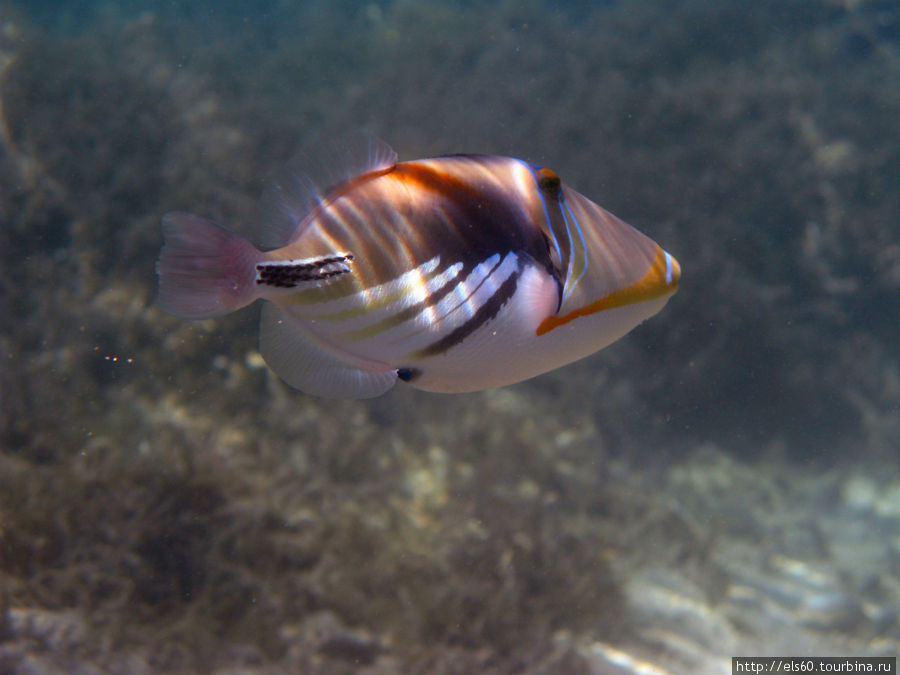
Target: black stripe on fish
x: 289, y: 274
x: 482, y: 315
x: 485, y: 219
x: 472, y: 222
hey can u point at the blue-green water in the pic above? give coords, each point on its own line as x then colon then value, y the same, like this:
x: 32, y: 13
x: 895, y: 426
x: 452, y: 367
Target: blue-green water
x: 723, y: 480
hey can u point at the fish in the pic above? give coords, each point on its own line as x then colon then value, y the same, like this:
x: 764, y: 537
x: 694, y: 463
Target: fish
x: 455, y: 273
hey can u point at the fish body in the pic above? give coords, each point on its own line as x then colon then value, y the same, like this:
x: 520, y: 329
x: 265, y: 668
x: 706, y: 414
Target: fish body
x: 455, y: 273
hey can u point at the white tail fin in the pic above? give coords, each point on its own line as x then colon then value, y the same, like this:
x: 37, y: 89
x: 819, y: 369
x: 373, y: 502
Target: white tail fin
x: 204, y: 270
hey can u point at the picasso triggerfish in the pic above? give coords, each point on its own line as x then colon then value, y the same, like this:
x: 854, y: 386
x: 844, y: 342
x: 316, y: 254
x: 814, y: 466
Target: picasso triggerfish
x: 454, y: 274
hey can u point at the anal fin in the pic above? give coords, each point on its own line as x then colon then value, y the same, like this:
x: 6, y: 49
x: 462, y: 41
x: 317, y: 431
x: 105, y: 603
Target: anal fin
x: 308, y: 367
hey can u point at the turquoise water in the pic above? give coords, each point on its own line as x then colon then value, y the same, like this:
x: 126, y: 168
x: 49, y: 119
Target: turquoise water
x: 166, y: 502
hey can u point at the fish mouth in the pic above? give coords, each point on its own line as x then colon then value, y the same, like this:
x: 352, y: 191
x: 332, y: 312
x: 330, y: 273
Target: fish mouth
x: 660, y: 281
x: 673, y: 271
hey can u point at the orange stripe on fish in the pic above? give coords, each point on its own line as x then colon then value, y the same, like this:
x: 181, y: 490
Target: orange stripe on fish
x: 662, y: 279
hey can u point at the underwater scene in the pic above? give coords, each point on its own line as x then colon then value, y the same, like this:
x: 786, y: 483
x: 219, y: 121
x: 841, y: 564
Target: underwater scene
x: 183, y: 489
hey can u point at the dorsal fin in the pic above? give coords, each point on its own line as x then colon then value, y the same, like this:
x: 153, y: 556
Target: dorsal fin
x: 309, y: 176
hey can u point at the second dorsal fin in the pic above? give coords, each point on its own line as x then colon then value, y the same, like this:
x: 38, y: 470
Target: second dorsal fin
x: 310, y: 175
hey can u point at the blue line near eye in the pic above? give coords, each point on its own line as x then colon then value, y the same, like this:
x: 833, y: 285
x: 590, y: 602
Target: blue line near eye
x: 587, y: 261
x: 668, y: 267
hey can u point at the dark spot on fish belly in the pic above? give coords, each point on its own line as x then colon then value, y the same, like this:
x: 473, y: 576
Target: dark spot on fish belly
x: 288, y: 274
x: 408, y: 374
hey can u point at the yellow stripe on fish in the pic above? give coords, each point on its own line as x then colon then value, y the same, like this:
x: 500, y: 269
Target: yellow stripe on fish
x: 454, y: 273
x: 659, y: 281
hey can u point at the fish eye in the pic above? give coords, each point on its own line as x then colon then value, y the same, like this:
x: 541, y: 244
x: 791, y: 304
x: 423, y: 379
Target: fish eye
x: 547, y: 180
